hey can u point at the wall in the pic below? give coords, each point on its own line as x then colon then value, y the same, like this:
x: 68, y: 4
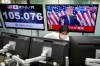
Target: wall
x: 4, y: 29
x: 21, y: 1
x: 97, y: 31
x: 41, y: 33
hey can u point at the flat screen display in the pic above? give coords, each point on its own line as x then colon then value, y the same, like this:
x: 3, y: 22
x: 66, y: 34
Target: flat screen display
x: 23, y: 16
x: 78, y: 17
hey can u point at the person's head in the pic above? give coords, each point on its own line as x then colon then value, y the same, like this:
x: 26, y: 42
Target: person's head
x: 69, y: 11
x: 63, y: 31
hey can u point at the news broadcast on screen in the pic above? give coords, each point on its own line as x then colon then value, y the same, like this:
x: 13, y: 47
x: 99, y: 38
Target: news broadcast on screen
x: 78, y: 18
x: 23, y: 16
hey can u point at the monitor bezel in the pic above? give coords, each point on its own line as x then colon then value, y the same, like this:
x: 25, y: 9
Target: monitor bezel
x: 26, y: 28
x: 74, y: 30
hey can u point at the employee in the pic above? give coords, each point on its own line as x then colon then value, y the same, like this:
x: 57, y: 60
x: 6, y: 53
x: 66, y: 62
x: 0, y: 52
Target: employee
x: 61, y: 34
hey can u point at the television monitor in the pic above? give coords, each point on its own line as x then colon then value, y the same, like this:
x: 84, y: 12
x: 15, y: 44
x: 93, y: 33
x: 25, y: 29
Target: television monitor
x: 1, y: 23
x: 78, y: 17
x: 82, y: 47
x: 27, y: 16
x: 59, y: 49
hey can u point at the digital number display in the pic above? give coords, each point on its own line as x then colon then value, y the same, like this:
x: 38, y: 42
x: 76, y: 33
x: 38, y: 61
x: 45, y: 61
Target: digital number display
x: 26, y: 16
x: 23, y: 16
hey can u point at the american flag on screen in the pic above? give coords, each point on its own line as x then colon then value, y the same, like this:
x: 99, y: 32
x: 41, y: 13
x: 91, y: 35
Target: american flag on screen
x: 85, y: 14
x: 9, y: 6
x: 12, y: 6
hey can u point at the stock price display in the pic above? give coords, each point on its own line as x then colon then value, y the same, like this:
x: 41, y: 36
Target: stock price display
x: 24, y: 16
x: 22, y: 12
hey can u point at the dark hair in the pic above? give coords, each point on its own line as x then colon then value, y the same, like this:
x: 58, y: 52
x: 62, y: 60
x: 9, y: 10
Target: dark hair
x: 64, y: 29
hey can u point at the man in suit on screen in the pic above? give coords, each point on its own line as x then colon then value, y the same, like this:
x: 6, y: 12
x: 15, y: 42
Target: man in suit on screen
x: 69, y: 18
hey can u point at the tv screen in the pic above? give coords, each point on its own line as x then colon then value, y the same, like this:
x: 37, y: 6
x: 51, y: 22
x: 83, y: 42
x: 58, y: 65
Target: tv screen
x: 1, y: 24
x: 23, y: 16
x: 78, y: 17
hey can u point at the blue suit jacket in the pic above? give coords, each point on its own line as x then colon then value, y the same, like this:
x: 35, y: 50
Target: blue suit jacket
x: 73, y: 20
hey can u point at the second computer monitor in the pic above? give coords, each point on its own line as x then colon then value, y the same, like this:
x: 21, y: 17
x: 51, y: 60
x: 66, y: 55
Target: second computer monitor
x: 82, y: 47
x: 59, y: 49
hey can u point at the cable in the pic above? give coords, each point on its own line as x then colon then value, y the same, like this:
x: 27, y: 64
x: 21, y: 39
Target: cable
x: 4, y: 57
x: 58, y: 1
x: 31, y: 32
x: 8, y: 30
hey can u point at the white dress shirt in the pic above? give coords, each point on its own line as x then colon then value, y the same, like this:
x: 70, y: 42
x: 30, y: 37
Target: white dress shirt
x: 55, y: 35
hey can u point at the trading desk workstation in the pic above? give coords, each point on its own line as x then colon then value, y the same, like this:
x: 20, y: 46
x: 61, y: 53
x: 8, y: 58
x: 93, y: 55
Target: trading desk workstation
x: 20, y: 50
x: 32, y: 51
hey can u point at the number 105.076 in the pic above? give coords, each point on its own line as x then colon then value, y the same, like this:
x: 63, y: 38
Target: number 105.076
x: 26, y: 16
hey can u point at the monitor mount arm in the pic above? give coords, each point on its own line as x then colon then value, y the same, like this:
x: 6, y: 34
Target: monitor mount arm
x: 7, y: 47
x: 45, y: 53
x: 92, y: 62
x: 2, y: 64
x: 10, y: 46
x: 95, y: 61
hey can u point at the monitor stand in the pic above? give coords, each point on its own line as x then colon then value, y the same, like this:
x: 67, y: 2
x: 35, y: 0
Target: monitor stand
x: 93, y: 61
x: 82, y: 34
x: 37, y: 33
x: 16, y: 32
x: 97, y: 53
x: 85, y: 34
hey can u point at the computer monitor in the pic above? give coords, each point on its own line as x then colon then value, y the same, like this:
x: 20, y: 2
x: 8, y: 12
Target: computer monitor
x: 1, y: 42
x: 22, y: 46
x: 59, y: 49
x: 22, y: 43
x: 82, y: 47
x: 5, y: 38
x: 6, y: 34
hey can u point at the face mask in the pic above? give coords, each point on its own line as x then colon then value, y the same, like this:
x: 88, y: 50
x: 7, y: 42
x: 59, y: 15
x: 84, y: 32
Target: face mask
x: 63, y: 36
